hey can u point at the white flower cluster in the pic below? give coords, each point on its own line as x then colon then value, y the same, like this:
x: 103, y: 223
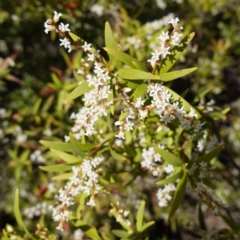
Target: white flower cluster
x: 96, y: 103
x: 37, y: 157
x: 165, y: 40
x: 36, y: 211
x: 168, y: 111
x: 84, y: 180
x: 163, y: 195
x: 150, y: 161
x: 50, y: 25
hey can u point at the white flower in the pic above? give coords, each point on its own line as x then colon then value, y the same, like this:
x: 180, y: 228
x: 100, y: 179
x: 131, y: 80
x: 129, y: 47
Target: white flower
x: 169, y: 168
x: 97, y: 9
x: 163, y: 37
x: 66, y: 43
x: 139, y: 102
x: 56, y: 16
x: 64, y: 28
x: 48, y: 26
x: 86, y: 46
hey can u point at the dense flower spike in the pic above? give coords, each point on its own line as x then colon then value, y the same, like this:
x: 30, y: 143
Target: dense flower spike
x: 84, y: 180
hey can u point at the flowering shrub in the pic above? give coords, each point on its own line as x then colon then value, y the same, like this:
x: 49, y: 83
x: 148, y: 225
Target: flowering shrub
x: 135, y: 147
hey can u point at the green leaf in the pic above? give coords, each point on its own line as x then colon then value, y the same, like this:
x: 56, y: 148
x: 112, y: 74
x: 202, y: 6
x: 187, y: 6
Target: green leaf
x: 177, y: 51
x: 18, y: 216
x: 169, y: 157
x: 64, y: 146
x: 139, y: 92
x: 125, y: 58
x: 187, y: 106
x: 56, y: 168
x: 79, y: 91
x: 147, y: 225
x: 201, y: 218
x: 36, y: 106
x: 179, y: 194
x: 171, y: 179
x: 67, y: 158
x: 64, y: 176
x: 135, y: 74
x: 209, y: 156
x: 75, y: 146
x: 115, y: 155
x: 74, y: 37
x: 165, y: 77
x: 140, y: 215
x: 87, y: 147
x: 88, y: 230
x: 121, y: 233
x: 110, y: 43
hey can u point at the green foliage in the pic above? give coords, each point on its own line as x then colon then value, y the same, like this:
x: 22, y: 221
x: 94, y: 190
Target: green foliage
x: 41, y: 86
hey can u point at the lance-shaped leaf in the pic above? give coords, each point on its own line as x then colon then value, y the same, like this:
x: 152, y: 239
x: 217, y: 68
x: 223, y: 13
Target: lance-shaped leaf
x: 140, y: 215
x: 125, y: 58
x: 179, y: 194
x: 207, y: 157
x: 176, y: 52
x: 18, y: 216
x: 171, y: 179
x: 116, y: 155
x: 165, y: 77
x: 88, y: 230
x: 79, y: 91
x: 121, y: 233
x: 56, y: 168
x: 64, y: 176
x: 67, y: 158
x: 64, y: 146
x: 139, y: 92
x: 136, y: 74
x: 110, y: 43
x: 75, y: 146
x: 187, y: 106
x: 169, y: 157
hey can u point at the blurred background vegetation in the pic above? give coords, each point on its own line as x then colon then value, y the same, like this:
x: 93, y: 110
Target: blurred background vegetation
x: 36, y: 74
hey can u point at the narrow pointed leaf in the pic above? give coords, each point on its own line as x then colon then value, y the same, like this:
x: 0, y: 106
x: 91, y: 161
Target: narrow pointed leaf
x: 18, y: 216
x: 110, y: 43
x: 116, y: 155
x: 64, y: 146
x: 177, y: 51
x: 79, y: 91
x: 125, y: 58
x: 171, y: 179
x: 136, y: 74
x: 139, y: 216
x: 67, y: 158
x: 88, y: 230
x: 179, y: 194
x: 64, y: 176
x: 169, y: 157
x: 121, y: 233
x: 56, y: 168
x: 165, y: 77
x: 139, y: 92
x: 147, y: 225
x: 209, y: 156
x: 75, y: 146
